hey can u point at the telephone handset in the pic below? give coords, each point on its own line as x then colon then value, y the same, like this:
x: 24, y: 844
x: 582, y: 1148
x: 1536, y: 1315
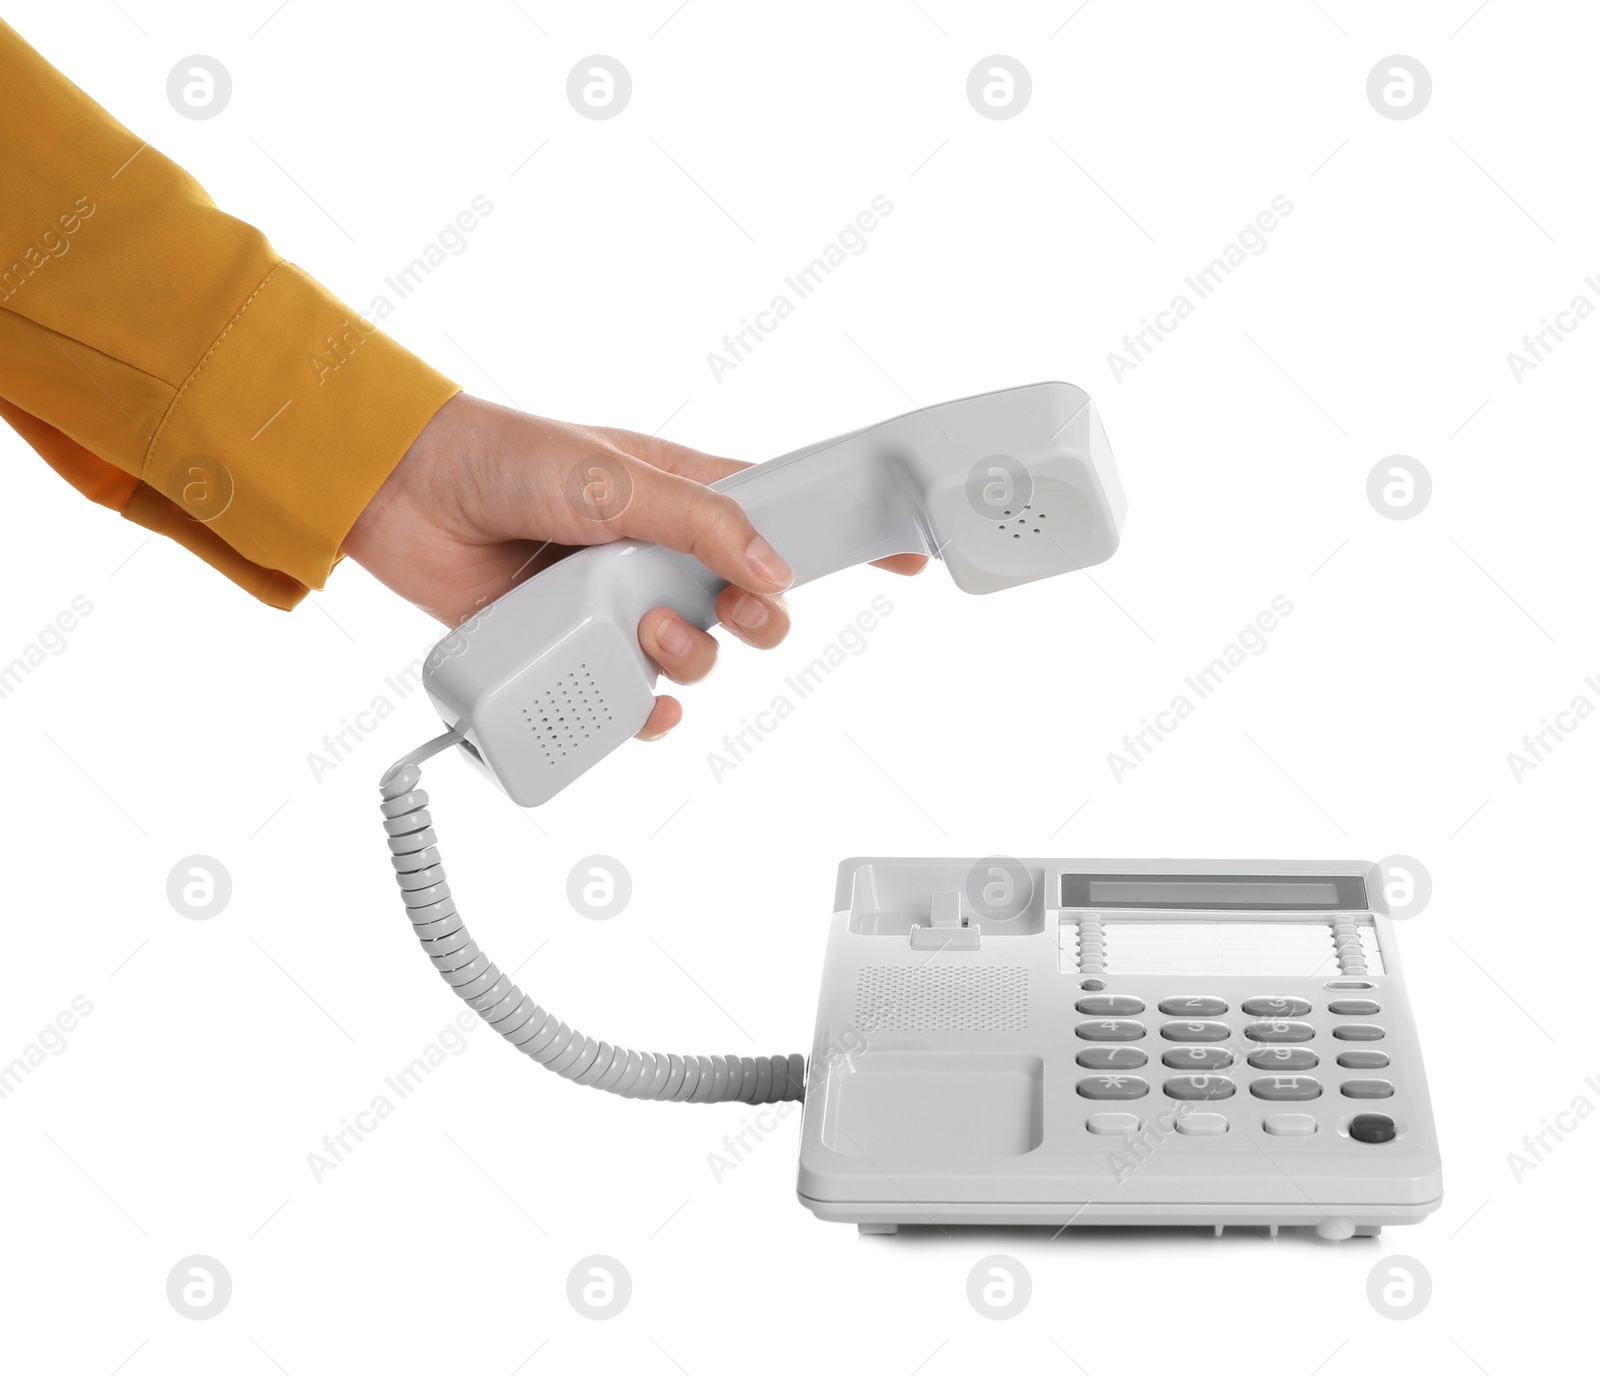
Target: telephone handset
x: 1003, y: 488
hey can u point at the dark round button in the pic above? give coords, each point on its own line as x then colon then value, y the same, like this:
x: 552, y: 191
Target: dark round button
x: 1372, y: 1127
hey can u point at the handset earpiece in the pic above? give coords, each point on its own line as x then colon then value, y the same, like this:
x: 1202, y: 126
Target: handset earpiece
x: 1004, y: 488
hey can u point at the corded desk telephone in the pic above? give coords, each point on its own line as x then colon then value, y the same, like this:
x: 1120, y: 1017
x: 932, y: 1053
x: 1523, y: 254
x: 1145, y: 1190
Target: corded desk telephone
x: 985, y: 1115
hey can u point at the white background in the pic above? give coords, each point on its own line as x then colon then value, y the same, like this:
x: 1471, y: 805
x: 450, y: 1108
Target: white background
x: 180, y: 716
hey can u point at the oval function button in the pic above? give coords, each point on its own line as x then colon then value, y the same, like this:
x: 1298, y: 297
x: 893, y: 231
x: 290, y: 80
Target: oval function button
x: 1112, y: 1087
x: 1372, y: 1127
x: 1198, y: 1058
x: 1289, y: 1125
x: 1113, y: 1124
x: 1195, y: 1031
x: 1202, y: 1125
x: 1279, y: 1031
x: 1198, y: 1087
x: 1111, y: 1030
x: 1111, y: 1058
x: 1348, y: 1008
x: 1287, y: 1087
x: 1197, y: 1006
x: 1363, y: 1060
x: 1358, y: 1032
x: 1283, y: 1058
x: 1110, y: 1005
x: 1367, y: 1089
x: 1276, y: 1007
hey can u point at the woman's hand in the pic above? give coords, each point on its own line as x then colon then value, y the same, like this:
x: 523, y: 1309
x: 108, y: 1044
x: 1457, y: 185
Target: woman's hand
x: 487, y: 496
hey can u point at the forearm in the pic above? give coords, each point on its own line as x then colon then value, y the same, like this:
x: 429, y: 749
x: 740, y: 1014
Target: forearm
x: 169, y: 363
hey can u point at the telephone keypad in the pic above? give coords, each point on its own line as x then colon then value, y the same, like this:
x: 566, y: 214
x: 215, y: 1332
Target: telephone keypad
x: 1198, y: 1022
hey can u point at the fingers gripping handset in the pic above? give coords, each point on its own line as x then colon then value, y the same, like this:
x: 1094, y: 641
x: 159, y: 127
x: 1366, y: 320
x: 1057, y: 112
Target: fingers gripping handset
x: 1004, y: 488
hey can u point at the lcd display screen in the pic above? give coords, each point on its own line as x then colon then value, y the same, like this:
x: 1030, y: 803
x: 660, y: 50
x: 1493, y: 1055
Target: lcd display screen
x: 1279, y: 893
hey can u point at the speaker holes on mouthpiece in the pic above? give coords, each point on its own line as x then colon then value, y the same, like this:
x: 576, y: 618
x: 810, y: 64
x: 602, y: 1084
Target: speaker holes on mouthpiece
x: 569, y: 711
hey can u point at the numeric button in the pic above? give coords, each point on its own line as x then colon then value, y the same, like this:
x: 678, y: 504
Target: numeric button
x: 1283, y: 1058
x: 1279, y: 1030
x: 1276, y: 1007
x: 1111, y: 1030
x: 1198, y: 1087
x: 1111, y: 1058
x: 1195, y: 1031
x: 1198, y: 1058
x: 1198, y: 1006
x: 1287, y: 1087
x: 1112, y: 1087
x: 1110, y: 1006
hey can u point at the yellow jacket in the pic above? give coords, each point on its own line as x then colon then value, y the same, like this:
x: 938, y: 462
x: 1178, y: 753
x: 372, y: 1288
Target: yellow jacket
x: 167, y: 363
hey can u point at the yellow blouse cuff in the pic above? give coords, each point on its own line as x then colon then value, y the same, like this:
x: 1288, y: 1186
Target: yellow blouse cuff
x: 288, y: 425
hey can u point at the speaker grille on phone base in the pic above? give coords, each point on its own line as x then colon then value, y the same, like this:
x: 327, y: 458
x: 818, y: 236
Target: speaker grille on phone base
x: 898, y: 998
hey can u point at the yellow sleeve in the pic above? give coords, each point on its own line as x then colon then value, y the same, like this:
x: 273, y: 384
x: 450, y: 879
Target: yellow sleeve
x: 169, y: 364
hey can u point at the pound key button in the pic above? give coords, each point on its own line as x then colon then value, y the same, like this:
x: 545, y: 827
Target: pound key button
x: 1287, y: 1087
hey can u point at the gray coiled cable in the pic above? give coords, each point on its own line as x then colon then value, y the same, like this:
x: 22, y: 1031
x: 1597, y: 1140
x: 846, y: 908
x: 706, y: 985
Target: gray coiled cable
x: 414, y: 852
